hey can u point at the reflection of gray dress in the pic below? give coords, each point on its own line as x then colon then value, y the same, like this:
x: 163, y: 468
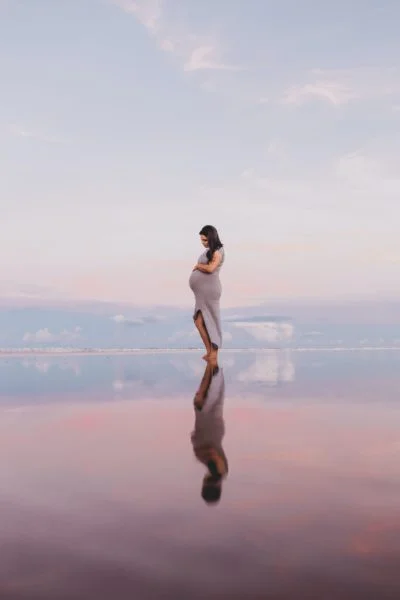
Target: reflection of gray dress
x: 209, y: 428
x: 207, y: 291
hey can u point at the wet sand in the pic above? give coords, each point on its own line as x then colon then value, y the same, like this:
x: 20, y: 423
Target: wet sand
x: 101, y: 490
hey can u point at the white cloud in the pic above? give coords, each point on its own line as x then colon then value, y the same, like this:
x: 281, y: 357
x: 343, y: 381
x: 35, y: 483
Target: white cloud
x: 44, y: 336
x: 196, y: 53
x: 269, y: 331
x: 74, y: 334
x: 329, y: 91
x: 313, y: 333
x: 44, y: 366
x: 22, y: 132
x: 193, y: 334
x: 40, y: 365
x: 122, y: 320
x: 179, y: 335
x: 273, y: 367
x: 187, y: 365
x: 361, y: 179
x: 147, y: 12
x: 342, y: 86
x: 204, y: 57
x: 167, y: 45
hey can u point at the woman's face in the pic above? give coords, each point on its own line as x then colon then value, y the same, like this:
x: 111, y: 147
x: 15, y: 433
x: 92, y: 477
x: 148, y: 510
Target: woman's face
x: 204, y: 241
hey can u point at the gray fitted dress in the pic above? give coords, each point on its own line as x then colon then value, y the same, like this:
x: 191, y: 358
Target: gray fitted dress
x: 207, y: 292
x: 209, y: 428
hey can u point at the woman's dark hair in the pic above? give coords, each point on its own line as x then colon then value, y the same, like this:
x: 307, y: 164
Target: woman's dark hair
x: 214, y: 243
x: 211, y: 491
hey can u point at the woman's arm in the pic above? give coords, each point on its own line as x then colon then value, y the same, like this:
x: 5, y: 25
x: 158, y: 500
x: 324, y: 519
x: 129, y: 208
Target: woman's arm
x: 212, y: 265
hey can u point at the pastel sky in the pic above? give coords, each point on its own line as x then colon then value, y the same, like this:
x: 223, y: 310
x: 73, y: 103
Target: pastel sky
x: 126, y: 125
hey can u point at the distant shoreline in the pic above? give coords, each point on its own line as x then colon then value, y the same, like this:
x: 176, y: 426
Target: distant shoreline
x: 131, y: 351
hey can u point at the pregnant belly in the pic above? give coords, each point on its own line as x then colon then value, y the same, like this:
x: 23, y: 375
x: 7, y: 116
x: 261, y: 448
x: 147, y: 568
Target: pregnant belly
x: 196, y: 280
x: 204, y: 283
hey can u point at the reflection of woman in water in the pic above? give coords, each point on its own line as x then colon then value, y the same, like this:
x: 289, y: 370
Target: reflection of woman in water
x: 206, y: 286
x: 209, y: 431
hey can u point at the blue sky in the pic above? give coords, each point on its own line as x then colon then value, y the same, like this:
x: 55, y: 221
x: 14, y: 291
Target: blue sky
x: 127, y: 125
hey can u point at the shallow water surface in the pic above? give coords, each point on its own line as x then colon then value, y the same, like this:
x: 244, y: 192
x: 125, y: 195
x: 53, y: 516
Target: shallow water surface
x: 103, y: 466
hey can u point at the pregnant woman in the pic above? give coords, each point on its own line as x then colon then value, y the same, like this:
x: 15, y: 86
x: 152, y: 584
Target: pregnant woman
x: 209, y: 431
x: 206, y: 286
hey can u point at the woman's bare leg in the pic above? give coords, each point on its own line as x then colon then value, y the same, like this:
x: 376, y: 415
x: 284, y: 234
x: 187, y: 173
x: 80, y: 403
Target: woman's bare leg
x: 213, y: 355
x: 201, y: 394
x: 199, y: 322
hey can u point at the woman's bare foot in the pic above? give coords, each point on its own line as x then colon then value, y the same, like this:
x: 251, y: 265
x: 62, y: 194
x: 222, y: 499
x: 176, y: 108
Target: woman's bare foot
x: 213, y: 356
